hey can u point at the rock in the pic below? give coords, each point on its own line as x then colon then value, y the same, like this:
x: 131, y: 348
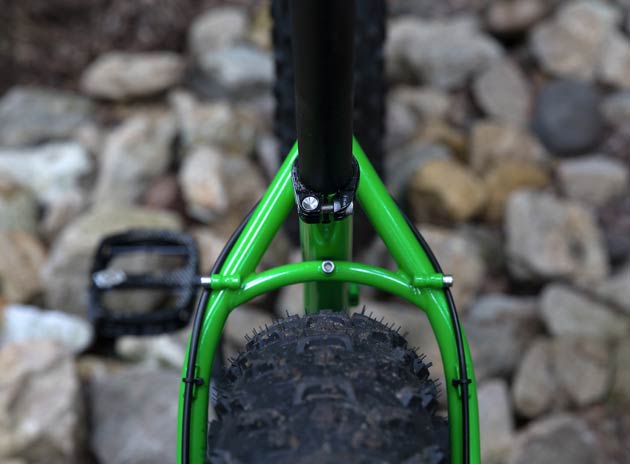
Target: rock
x: 502, y: 92
x: 29, y: 324
x: 210, y: 244
x: 217, y: 28
x: 443, y: 54
x: 30, y: 115
x: 18, y: 206
x: 559, y: 439
x: 41, y: 410
x: 260, y: 32
x: 567, y: 117
x: 620, y: 391
x: 164, y: 193
x: 217, y: 124
x: 134, y: 154
x: 513, y: 17
x: 496, y: 424
x: 615, y: 220
x: 615, y: 290
x: 551, y: 238
x: 50, y: 171
x: 582, y: 368
x: 66, y: 274
x: 593, y: 180
x: 447, y: 190
x: 118, y: 75
x: 23, y: 255
x: 203, y: 185
x: 500, y: 328
x: 616, y: 108
x: 507, y: 177
x: 494, y: 142
x: 568, y: 312
x: 571, y: 44
x: 535, y: 388
x: 614, y: 66
x: 166, y: 350
x: 243, y: 321
x: 460, y: 256
x: 131, y: 423
x: 61, y: 212
x: 240, y: 71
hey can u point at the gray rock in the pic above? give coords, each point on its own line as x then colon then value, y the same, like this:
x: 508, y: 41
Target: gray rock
x: 134, y: 423
x: 500, y: 328
x: 124, y: 75
x: 559, y: 439
x: 23, y: 255
x: 502, y: 92
x: 496, y: 424
x: 567, y: 311
x: 616, y: 108
x: 494, y: 143
x: 593, y: 180
x: 620, y: 391
x: 135, y: 153
x: 30, y: 115
x: 216, y: 124
x: 217, y: 28
x: 615, y: 290
x: 551, y: 238
x: 41, y: 410
x: 66, y: 274
x: 29, y: 323
x: 240, y: 71
x: 50, y: 171
x: 167, y: 350
x: 443, y: 54
x: 512, y: 17
x: 460, y: 256
x: 535, y: 387
x: 18, y: 206
x: 571, y: 44
x: 243, y: 321
x: 614, y: 66
x: 567, y: 117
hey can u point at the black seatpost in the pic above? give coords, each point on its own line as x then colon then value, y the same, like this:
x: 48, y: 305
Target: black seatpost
x: 323, y: 56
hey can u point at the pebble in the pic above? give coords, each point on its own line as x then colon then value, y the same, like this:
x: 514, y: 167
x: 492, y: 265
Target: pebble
x: 496, y: 422
x: 217, y: 28
x: 18, y: 206
x: 23, y: 255
x: 513, y: 17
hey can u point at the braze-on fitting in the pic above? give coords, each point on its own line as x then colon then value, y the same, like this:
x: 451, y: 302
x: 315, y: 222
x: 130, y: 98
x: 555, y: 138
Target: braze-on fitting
x: 433, y: 281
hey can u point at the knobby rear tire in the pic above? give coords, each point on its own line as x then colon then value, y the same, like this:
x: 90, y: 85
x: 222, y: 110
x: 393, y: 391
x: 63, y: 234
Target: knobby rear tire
x: 328, y: 388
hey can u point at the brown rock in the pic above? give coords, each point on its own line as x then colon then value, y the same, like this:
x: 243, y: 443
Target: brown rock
x: 23, y: 255
x: 515, y: 16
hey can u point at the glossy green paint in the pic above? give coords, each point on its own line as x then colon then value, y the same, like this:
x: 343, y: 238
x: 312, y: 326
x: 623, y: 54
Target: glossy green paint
x: 415, y: 281
x: 332, y: 241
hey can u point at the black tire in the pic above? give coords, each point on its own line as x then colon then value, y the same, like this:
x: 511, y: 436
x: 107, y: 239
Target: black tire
x: 369, y: 89
x: 328, y: 388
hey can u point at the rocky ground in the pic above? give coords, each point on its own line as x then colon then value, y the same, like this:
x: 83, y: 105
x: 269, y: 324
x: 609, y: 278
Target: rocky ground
x: 508, y: 142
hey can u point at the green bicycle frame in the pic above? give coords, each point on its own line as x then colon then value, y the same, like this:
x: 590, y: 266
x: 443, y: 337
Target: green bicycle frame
x: 415, y: 281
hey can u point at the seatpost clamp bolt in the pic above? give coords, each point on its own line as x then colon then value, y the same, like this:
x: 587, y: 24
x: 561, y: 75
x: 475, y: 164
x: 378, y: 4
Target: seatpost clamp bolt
x: 310, y: 203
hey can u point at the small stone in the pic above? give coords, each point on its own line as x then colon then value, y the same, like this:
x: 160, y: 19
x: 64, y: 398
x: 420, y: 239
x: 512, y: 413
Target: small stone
x: 216, y: 124
x: 163, y: 193
x: 124, y: 413
x: 66, y: 275
x: 31, y: 115
x: 614, y: 68
x: 493, y: 143
x: 507, y: 177
x: 615, y: 290
x: 260, y: 32
x: 620, y: 391
x: 243, y: 321
x: 503, y: 92
x: 552, y: 238
x: 426, y: 103
x: 615, y: 220
x: 23, y: 255
x: 559, y: 439
x: 460, y: 256
x: 567, y: 117
x: 443, y: 54
x: 120, y: 75
x: 50, y: 171
x: 29, y: 324
x: 496, y: 424
x: 241, y: 71
x: 18, y: 206
x: 447, y: 190
x: 41, y: 411
x: 511, y: 17
x: 166, y: 350
x: 616, y: 108
x: 203, y: 185
x: 135, y: 153
x: 593, y: 180
x: 217, y: 28
x: 567, y: 311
